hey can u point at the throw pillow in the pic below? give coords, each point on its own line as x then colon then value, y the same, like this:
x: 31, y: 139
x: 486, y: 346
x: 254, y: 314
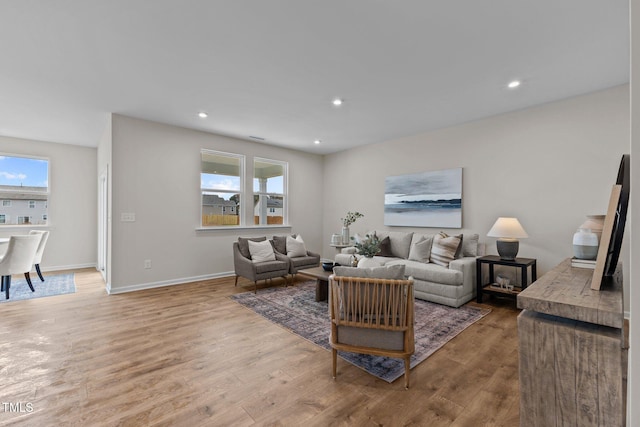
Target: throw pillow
x: 444, y: 248
x: 261, y: 251
x: 295, y: 247
x: 421, y: 251
x: 280, y: 243
x: 395, y: 272
x: 385, y: 247
x: 470, y: 245
x: 243, y: 244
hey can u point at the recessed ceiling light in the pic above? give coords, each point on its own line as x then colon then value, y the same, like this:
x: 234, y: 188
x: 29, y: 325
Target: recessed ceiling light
x: 337, y: 102
x: 317, y: 141
x: 203, y: 115
x: 514, y: 84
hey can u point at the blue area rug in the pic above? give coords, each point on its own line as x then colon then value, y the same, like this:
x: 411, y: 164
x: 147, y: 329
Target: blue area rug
x: 295, y: 309
x: 53, y: 285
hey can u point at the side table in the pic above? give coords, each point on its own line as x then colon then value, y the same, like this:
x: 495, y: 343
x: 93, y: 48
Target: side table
x: 492, y: 260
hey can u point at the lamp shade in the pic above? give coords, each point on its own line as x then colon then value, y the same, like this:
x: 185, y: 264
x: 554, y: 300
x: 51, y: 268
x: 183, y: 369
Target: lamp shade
x: 507, y: 228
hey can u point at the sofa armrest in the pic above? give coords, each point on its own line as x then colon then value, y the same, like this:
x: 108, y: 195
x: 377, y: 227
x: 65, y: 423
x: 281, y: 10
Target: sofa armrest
x: 467, y: 265
x: 313, y: 254
x: 348, y: 250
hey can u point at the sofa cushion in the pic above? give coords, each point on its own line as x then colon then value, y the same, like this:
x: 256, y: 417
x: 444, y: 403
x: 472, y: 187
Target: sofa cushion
x: 421, y: 248
x: 470, y: 245
x: 395, y: 272
x: 269, y: 266
x: 431, y: 272
x: 445, y: 248
x: 362, y: 337
x: 295, y: 247
x: 303, y: 261
x: 243, y: 245
x: 385, y: 247
x: 261, y: 251
x: 280, y: 243
x: 400, y: 242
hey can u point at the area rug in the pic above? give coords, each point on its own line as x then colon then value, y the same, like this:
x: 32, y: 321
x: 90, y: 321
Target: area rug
x: 295, y: 309
x: 53, y: 285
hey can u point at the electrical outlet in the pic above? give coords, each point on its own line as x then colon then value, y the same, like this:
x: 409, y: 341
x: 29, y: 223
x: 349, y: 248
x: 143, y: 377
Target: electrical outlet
x: 147, y: 263
x: 127, y: 217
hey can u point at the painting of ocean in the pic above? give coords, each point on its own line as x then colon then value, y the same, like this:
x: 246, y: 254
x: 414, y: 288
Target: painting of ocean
x: 426, y: 199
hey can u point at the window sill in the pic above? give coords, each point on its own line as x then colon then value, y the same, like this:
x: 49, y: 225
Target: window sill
x: 251, y: 227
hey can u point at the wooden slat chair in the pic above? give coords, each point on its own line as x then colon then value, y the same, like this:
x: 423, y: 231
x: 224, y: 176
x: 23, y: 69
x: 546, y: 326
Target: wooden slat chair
x: 372, y: 316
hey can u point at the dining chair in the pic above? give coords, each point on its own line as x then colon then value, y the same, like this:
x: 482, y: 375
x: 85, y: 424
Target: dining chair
x: 38, y: 257
x: 18, y: 259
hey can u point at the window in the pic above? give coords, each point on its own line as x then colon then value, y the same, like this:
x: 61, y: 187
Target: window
x: 3, y: 219
x: 221, y: 184
x: 269, y: 189
x: 24, y: 182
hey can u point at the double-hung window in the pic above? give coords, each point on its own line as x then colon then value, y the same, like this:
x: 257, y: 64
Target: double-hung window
x: 24, y: 190
x: 221, y: 184
x: 270, y: 192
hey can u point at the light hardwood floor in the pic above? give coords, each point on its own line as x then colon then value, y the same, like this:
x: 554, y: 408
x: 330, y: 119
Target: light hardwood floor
x: 187, y: 355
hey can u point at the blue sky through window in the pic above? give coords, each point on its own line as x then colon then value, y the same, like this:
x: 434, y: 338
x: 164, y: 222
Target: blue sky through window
x: 24, y: 171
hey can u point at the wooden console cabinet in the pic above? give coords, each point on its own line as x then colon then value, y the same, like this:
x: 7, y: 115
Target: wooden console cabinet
x: 573, y: 355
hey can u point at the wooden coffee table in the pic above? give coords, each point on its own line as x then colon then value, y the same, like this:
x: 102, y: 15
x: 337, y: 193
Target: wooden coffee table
x: 322, y: 281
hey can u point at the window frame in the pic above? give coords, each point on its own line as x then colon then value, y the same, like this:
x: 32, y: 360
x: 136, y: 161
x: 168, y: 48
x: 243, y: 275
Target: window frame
x: 241, y: 192
x: 284, y: 194
x: 25, y: 190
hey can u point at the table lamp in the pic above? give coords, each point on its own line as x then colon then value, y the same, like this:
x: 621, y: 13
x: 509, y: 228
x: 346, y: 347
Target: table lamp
x: 508, y: 231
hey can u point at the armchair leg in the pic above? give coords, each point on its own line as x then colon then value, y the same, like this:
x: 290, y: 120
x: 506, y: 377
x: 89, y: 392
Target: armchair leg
x: 407, y: 370
x: 236, y: 285
x: 6, y: 284
x: 255, y: 291
x: 28, y: 277
x: 334, y: 356
x: 39, y: 272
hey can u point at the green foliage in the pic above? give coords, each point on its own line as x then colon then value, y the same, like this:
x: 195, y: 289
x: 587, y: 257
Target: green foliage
x: 369, y: 246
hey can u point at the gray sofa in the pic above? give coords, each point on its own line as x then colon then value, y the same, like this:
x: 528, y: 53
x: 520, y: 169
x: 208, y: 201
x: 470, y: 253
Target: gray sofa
x: 452, y: 285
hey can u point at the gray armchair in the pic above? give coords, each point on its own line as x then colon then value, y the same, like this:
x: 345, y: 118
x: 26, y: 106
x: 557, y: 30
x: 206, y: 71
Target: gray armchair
x: 255, y: 271
x: 311, y: 259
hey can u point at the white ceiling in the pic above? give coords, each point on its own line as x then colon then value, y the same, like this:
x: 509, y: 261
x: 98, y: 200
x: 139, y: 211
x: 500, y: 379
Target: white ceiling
x: 270, y: 68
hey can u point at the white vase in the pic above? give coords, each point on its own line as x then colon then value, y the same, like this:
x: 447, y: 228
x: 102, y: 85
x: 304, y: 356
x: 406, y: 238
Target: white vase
x: 585, y: 244
x: 345, y: 236
x: 368, y: 263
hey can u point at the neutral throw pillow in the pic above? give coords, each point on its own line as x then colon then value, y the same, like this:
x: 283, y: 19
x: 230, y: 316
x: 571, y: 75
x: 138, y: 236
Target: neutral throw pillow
x: 261, y: 251
x: 421, y: 251
x: 395, y: 272
x: 385, y: 247
x: 243, y: 244
x: 295, y: 247
x: 470, y: 245
x: 444, y: 248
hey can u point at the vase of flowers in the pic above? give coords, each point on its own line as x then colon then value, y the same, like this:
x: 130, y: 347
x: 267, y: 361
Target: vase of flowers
x: 349, y: 219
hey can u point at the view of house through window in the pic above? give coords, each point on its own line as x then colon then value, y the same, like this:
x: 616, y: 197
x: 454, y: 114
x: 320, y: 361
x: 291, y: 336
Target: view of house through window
x: 24, y: 190
x: 221, y: 185
x: 269, y: 191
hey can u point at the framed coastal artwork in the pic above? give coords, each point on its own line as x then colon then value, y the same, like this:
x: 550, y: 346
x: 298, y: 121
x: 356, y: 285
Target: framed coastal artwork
x: 426, y: 199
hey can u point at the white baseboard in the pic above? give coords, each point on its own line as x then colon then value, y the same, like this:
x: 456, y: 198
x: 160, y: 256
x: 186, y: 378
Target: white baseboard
x: 170, y: 282
x: 52, y: 268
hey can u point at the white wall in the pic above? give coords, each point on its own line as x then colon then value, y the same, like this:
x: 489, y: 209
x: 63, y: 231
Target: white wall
x: 72, y: 203
x: 156, y: 175
x: 549, y: 166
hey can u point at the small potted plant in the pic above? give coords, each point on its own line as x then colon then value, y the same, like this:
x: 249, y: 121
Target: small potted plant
x: 369, y: 246
x: 349, y: 219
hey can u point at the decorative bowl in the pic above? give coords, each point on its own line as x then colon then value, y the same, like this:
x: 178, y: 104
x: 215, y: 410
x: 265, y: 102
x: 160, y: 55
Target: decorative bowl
x: 327, y: 266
